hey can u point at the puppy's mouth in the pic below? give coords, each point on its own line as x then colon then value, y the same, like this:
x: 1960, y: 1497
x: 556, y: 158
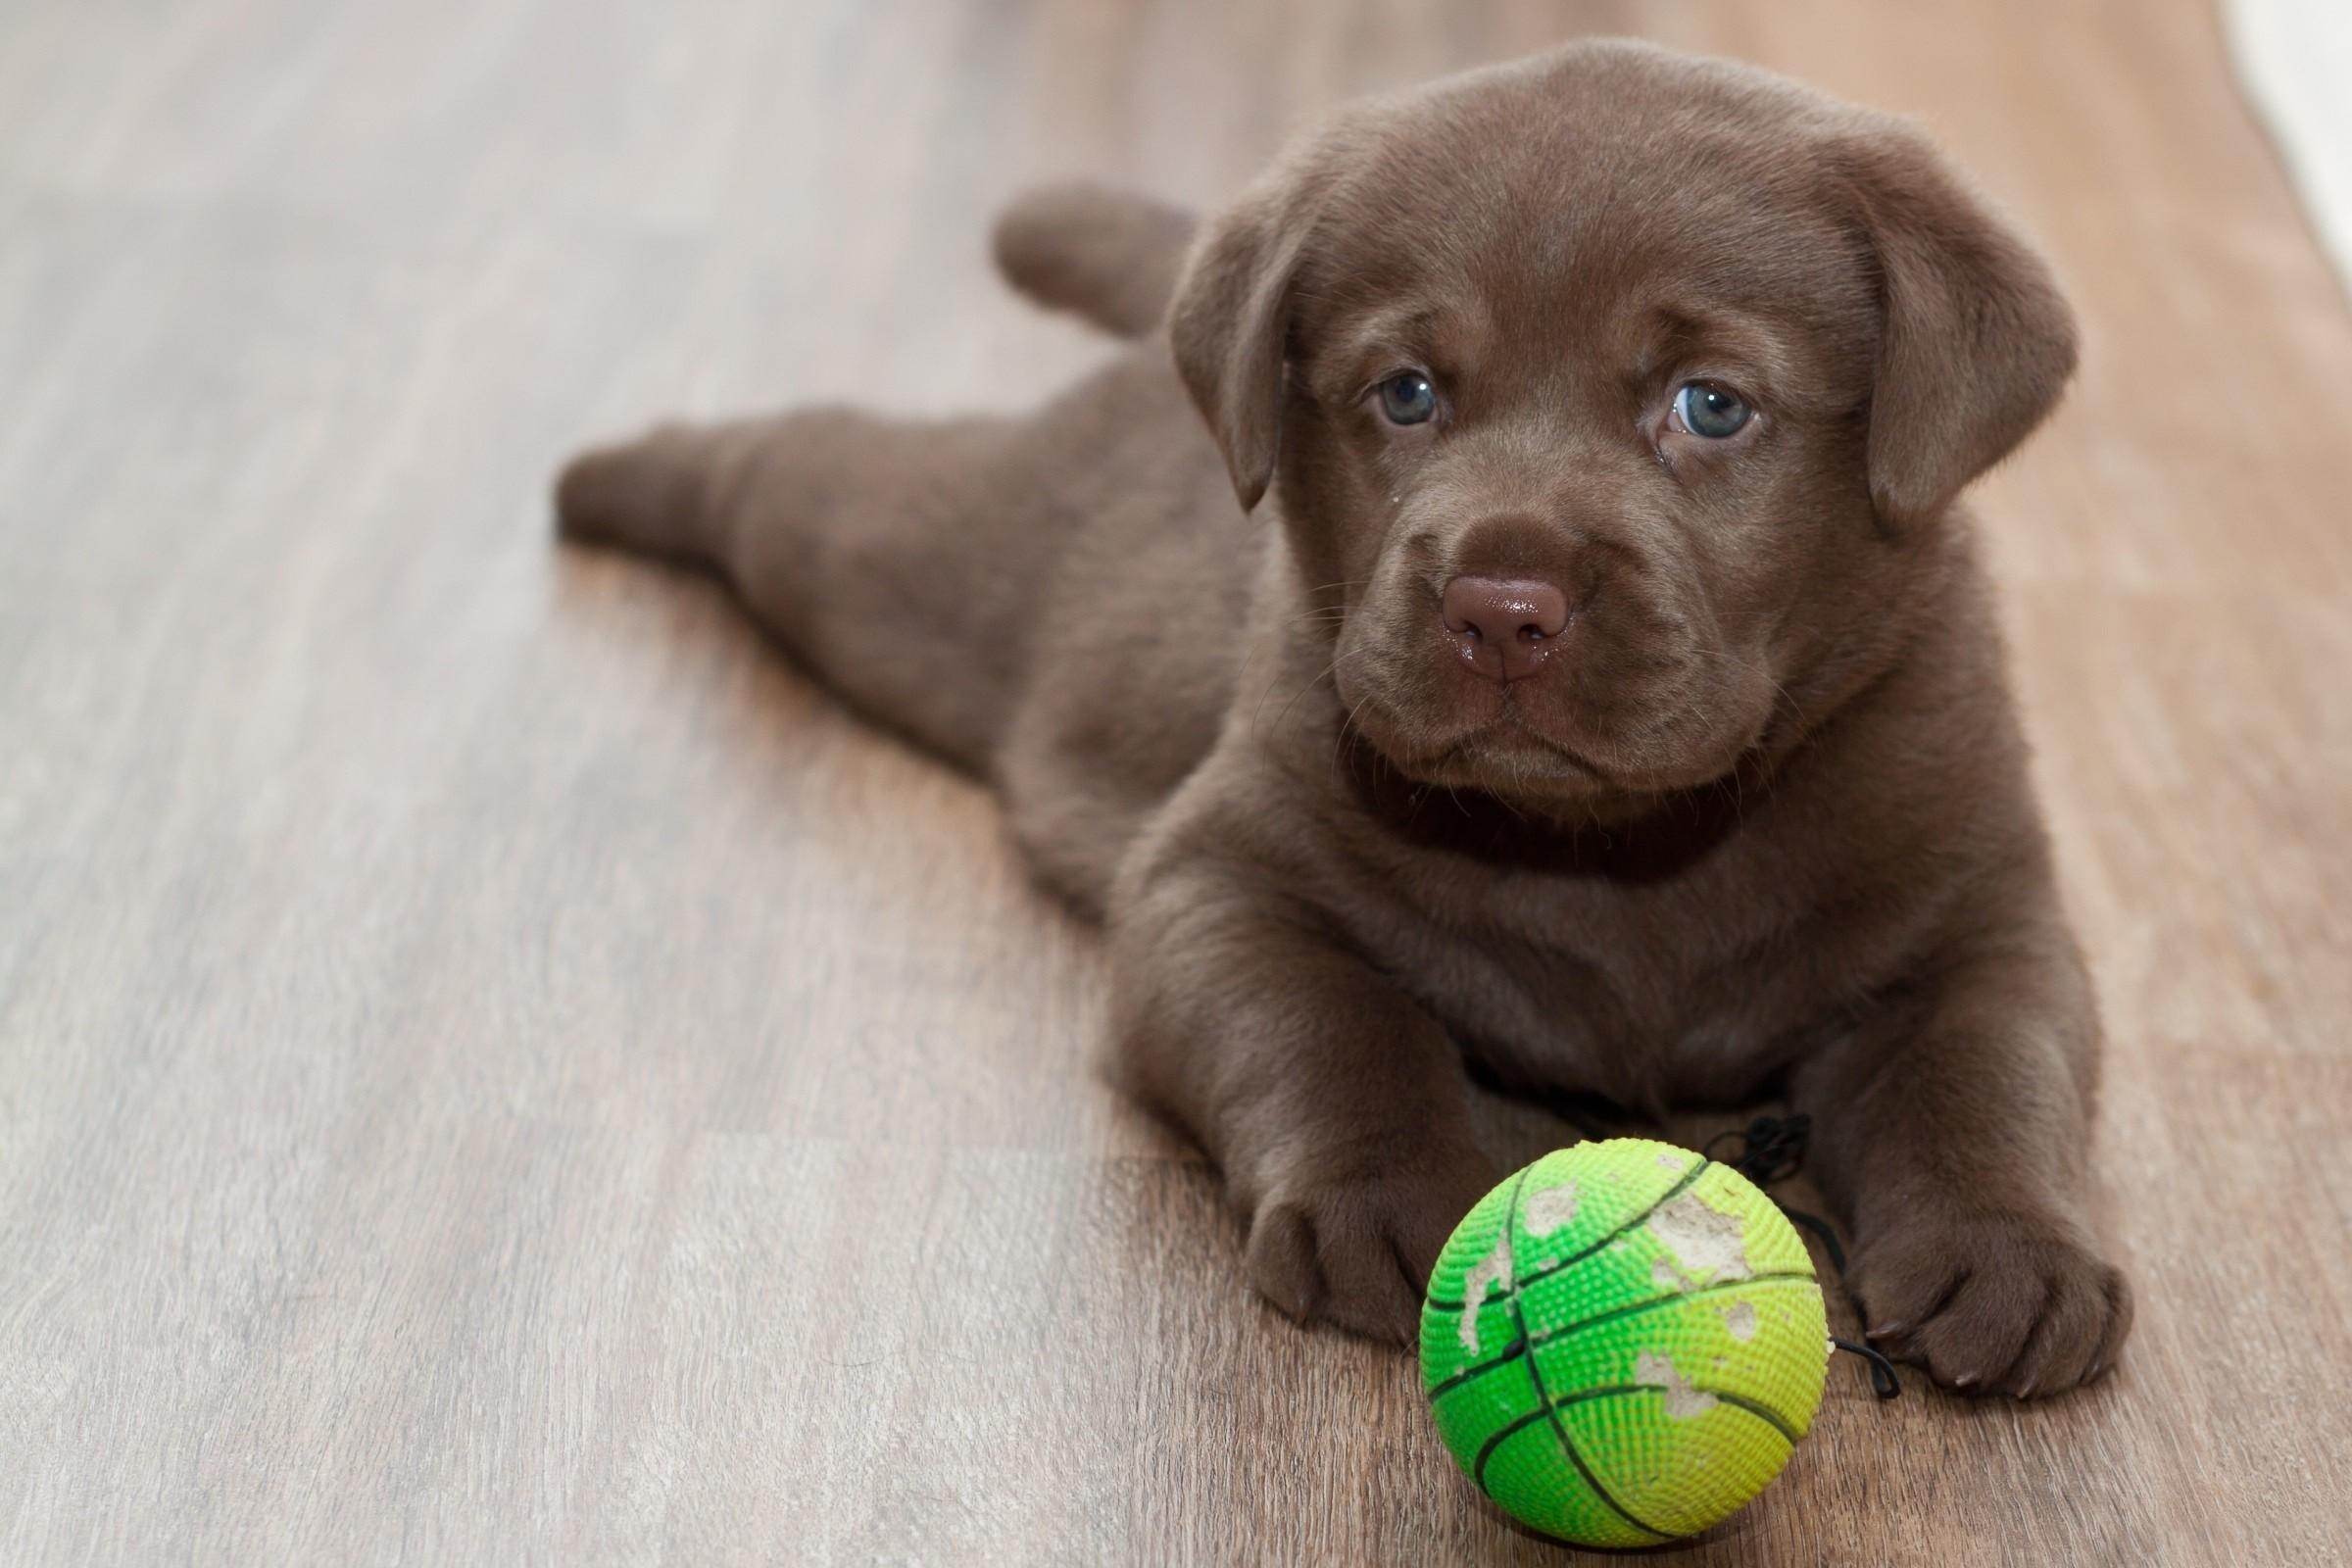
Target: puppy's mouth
x: 1512, y: 742
x: 1499, y: 745
x: 1504, y: 753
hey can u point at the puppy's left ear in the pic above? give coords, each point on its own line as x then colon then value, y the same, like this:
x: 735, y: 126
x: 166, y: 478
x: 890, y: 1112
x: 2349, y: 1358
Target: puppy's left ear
x: 1229, y: 321
x: 1976, y: 343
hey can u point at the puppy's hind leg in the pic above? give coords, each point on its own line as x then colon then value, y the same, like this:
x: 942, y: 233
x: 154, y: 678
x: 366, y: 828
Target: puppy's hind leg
x: 898, y: 559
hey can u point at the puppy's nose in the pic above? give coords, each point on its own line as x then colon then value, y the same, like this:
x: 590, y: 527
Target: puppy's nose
x: 1504, y: 625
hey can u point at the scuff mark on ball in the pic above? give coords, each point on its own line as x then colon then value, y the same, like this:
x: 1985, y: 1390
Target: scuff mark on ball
x: 1487, y: 1272
x: 1739, y: 1319
x: 1655, y: 1371
x: 1707, y: 1244
x: 1549, y: 1209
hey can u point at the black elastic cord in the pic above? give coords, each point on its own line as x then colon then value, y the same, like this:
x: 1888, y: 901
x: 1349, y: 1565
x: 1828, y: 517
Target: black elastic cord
x: 1882, y: 1371
x: 1773, y: 1148
x: 1823, y: 1229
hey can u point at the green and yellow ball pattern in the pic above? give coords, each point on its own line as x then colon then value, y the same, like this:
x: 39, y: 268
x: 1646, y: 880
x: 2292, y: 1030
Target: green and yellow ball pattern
x: 1623, y: 1342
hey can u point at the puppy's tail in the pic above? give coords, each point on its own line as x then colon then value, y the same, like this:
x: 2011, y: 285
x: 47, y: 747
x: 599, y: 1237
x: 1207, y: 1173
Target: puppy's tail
x: 1109, y: 256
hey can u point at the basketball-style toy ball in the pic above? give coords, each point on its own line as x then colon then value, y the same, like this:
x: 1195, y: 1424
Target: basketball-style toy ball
x: 1623, y: 1343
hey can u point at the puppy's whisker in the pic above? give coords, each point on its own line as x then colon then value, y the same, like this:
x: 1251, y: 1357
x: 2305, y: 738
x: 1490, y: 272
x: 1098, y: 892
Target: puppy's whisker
x: 1738, y: 791
x: 1320, y: 676
x: 1339, y: 742
x: 1260, y: 710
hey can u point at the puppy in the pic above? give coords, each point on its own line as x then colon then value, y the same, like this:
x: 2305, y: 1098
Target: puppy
x: 1594, y: 679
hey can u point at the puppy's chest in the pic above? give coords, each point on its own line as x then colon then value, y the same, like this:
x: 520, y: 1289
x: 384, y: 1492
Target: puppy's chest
x: 1645, y: 995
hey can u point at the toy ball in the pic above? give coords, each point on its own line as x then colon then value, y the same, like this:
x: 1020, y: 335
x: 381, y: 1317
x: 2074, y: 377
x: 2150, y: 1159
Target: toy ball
x: 1623, y: 1342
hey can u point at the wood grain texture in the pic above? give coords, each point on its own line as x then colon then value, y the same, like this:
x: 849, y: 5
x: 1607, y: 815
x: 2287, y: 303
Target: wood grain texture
x: 495, y: 1069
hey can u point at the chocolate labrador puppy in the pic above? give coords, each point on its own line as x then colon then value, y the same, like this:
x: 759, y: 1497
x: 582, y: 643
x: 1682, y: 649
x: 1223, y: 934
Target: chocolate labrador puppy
x: 1595, y: 678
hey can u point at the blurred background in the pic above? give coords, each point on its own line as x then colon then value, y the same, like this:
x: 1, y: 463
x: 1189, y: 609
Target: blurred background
x: 2294, y: 58
x: 493, y: 1067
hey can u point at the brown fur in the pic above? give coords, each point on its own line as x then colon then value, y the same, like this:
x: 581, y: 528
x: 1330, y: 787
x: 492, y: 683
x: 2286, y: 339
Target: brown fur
x: 1760, y: 821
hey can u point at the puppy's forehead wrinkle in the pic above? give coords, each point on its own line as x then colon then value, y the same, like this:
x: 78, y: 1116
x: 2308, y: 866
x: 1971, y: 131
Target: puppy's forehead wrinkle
x: 1689, y: 334
x: 1412, y: 333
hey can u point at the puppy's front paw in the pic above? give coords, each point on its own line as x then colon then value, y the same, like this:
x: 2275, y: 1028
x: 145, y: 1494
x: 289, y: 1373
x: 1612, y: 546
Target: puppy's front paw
x: 1993, y: 1303
x: 1356, y: 1253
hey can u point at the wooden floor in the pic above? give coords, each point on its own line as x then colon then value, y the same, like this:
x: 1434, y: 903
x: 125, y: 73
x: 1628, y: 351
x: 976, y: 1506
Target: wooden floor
x: 495, y: 1069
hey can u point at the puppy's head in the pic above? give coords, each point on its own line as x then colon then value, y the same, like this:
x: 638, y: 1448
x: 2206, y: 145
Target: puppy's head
x: 1614, y: 397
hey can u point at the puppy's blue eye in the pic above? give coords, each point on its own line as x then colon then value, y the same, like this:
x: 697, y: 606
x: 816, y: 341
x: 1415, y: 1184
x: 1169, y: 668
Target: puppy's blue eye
x: 1408, y: 398
x: 1710, y: 411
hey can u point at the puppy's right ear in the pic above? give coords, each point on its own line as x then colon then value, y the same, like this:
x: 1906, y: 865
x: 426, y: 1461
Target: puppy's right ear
x: 1229, y: 326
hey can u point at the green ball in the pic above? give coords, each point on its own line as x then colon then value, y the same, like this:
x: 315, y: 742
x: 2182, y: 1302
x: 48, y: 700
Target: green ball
x: 1623, y: 1343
